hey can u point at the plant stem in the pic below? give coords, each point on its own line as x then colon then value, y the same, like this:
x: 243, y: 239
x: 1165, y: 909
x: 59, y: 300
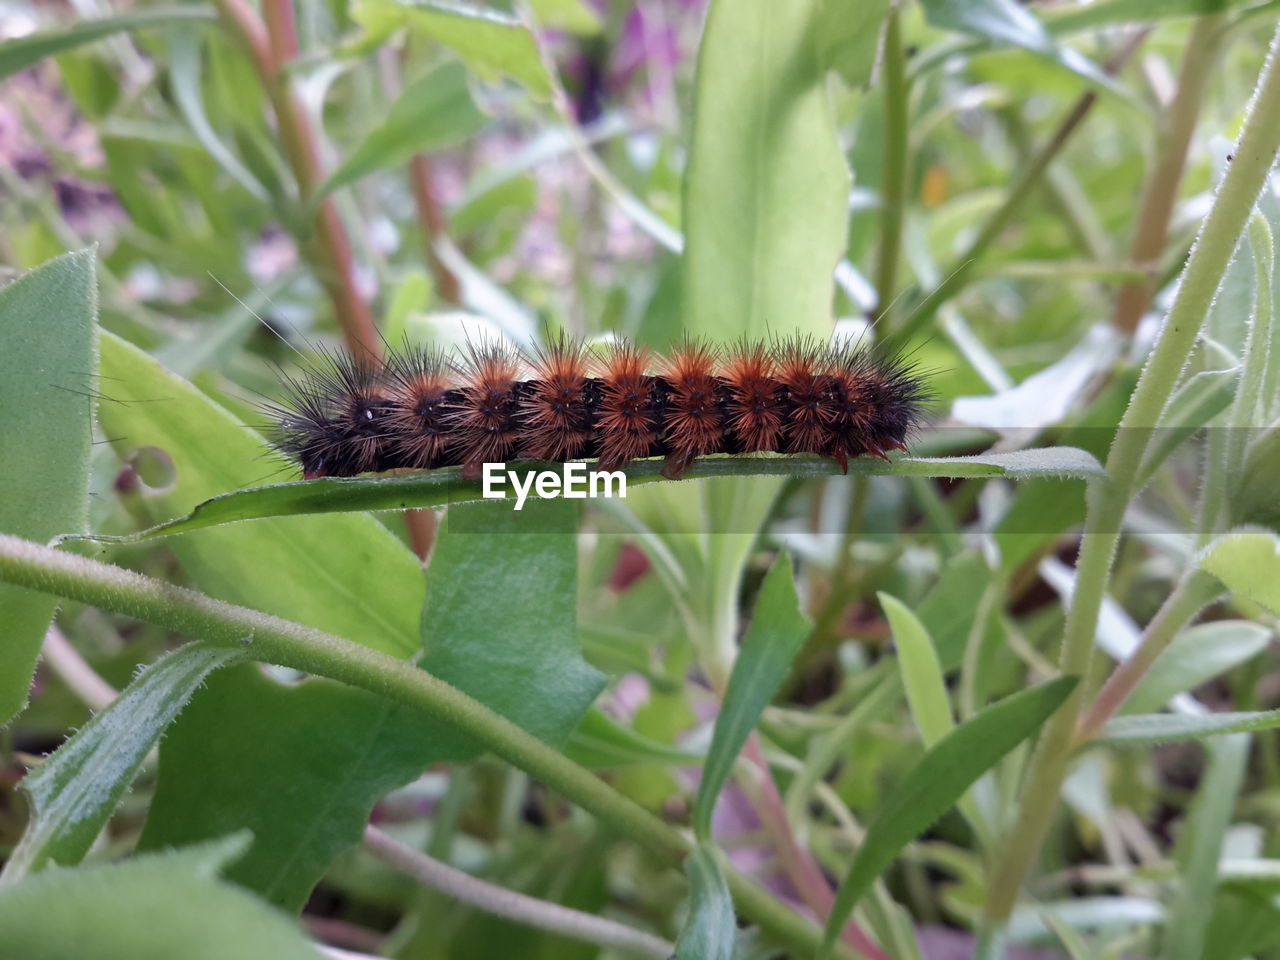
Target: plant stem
x: 1161, y: 189
x: 512, y: 904
x: 272, y: 46
x: 434, y: 226
x: 1028, y: 180
x: 893, y: 188
x: 1254, y: 155
x: 1188, y: 598
x: 274, y: 640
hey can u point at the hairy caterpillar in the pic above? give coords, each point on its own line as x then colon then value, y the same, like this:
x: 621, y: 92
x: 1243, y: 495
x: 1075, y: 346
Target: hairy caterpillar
x: 421, y: 409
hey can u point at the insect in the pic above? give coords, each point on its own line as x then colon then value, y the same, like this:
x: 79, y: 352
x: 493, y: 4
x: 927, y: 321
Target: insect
x: 422, y: 409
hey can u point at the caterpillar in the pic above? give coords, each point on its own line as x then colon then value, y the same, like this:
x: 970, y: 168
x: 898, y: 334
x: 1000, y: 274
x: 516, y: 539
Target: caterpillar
x: 423, y: 409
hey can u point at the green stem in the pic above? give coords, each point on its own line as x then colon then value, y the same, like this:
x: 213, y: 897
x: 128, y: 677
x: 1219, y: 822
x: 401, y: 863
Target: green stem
x: 1253, y: 159
x: 274, y: 640
x: 893, y: 190
x: 1190, y: 596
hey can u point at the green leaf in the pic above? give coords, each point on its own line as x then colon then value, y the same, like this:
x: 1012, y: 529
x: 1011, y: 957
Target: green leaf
x: 1148, y: 729
x: 1199, y: 848
x: 936, y: 782
x: 491, y: 43
x: 572, y: 15
x: 921, y: 671
x: 710, y: 930
x: 601, y: 742
x: 1008, y: 23
x: 1247, y: 561
x: 75, y: 790
x: 1197, y: 401
x: 433, y: 112
x: 369, y: 591
x: 439, y: 487
x: 1106, y: 12
x: 153, y: 907
x: 22, y: 52
x: 47, y: 326
x: 777, y: 632
x: 298, y: 766
x: 185, y: 76
x: 848, y: 35
x: 500, y: 622
x: 1196, y: 656
x: 302, y: 766
x: 766, y: 190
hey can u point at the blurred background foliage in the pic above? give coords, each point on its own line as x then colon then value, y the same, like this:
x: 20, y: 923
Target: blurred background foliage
x: 999, y: 187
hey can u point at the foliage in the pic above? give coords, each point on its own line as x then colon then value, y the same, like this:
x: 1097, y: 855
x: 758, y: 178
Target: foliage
x: 689, y: 722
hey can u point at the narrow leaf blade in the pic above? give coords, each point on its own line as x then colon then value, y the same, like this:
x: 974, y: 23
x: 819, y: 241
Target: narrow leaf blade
x: 937, y: 781
x: 778, y: 630
x: 76, y: 789
x: 710, y: 930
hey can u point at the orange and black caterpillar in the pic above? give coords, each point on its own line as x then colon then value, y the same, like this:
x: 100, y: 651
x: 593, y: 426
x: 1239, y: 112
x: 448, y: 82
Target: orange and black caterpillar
x: 420, y: 409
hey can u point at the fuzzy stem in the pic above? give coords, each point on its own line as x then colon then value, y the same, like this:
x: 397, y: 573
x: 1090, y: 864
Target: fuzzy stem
x: 434, y: 226
x: 1161, y: 189
x: 1190, y: 596
x: 274, y: 640
x: 511, y: 904
x: 893, y: 192
x: 1254, y: 156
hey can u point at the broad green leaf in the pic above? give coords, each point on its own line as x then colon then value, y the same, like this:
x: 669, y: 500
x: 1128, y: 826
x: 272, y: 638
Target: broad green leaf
x: 306, y: 794
x: 500, y: 622
x: 153, y: 907
x: 711, y: 929
x: 766, y: 190
x: 75, y: 790
x: 370, y: 590
x: 601, y: 742
x: 1247, y: 561
x: 439, y: 487
x: 433, y: 112
x: 47, y: 327
x: 1008, y: 23
x: 921, y: 672
x: 1196, y: 656
x: 1199, y: 848
x: 22, y: 52
x: 492, y: 43
x: 298, y: 766
x: 185, y: 75
x: 935, y: 783
x: 848, y: 36
x: 348, y: 575
x: 777, y: 632
x: 1148, y: 729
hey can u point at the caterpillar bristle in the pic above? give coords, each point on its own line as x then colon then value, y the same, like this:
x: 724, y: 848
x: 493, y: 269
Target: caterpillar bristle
x: 419, y: 379
x: 694, y: 419
x: 628, y: 421
x: 421, y: 410
x: 557, y: 413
